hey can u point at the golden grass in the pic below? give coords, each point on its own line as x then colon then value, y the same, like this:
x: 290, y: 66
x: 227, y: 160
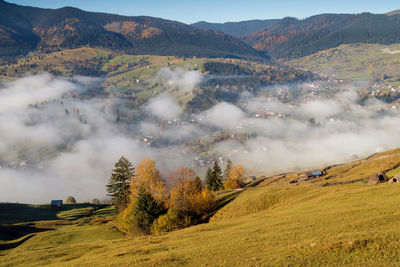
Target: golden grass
x: 289, y: 225
x: 354, y: 61
x: 298, y: 225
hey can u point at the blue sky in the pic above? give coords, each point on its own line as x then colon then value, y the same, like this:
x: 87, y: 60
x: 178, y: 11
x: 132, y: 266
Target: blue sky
x: 220, y: 10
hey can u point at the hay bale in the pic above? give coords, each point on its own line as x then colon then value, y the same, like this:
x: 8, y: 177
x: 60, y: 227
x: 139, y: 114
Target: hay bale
x: 377, y: 178
x: 373, y: 179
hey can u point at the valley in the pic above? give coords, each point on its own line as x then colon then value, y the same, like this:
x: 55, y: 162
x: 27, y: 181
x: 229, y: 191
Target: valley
x: 133, y: 140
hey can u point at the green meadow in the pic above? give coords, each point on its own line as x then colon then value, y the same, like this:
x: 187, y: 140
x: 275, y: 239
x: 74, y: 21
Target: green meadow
x: 276, y: 223
x: 356, y: 62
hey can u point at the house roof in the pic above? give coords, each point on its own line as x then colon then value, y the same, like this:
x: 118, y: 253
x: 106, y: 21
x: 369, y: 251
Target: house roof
x: 56, y: 202
x: 317, y: 172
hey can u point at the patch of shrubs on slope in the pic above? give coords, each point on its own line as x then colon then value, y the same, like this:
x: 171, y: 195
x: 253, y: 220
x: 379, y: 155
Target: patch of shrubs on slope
x: 146, y: 204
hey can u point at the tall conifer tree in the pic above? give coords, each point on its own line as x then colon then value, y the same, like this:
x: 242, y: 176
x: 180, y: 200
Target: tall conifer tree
x: 228, y: 170
x: 145, y: 211
x: 217, y: 177
x: 118, y: 185
x: 209, y: 179
x: 214, y: 178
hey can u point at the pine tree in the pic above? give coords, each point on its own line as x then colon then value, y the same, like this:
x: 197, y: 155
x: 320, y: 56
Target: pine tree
x: 217, y: 177
x: 228, y: 170
x: 118, y: 185
x: 209, y: 179
x: 214, y: 178
x: 145, y: 211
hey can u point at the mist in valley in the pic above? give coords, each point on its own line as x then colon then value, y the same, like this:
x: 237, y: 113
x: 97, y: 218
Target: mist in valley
x: 54, y: 143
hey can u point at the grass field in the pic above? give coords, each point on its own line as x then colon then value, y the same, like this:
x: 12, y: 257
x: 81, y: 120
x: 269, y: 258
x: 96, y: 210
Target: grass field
x: 356, y: 62
x: 126, y: 74
x: 271, y: 224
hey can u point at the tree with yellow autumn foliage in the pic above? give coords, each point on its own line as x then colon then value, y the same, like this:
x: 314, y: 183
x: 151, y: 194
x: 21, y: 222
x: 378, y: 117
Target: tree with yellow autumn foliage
x: 181, y: 174
x: 147, y: 195
x: 190, y: 198
x: 236, y: 178
x: 147, y: 175
x: 189, y: 201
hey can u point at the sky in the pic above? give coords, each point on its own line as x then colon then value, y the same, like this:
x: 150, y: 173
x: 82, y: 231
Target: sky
x: 220, y: 10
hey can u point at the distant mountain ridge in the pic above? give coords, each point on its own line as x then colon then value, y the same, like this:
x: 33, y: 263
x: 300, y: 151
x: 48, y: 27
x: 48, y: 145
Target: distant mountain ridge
x: 23, y: 29
x: 236, y: 29
x: 394, y: 12
x: 293, y: 38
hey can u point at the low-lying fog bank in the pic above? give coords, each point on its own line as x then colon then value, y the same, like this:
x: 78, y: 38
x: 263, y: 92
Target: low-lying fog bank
x: 54, y: 144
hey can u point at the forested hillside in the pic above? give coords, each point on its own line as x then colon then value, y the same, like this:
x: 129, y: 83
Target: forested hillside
x: 236, y: 29
x: 23, y: 29
x: 293, y: 38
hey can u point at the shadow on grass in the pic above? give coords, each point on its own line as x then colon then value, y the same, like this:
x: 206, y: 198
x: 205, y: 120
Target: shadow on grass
x: 19, y: 233
x: 15, y: 244
x: 13, y: 232
x: 222, y: 202
x: 18, y: 213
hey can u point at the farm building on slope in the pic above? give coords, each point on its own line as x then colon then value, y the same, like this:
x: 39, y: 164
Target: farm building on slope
x: 56, y: 204
x: 305, y: 176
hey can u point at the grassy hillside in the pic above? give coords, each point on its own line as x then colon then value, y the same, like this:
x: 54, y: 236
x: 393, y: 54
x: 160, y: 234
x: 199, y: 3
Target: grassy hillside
x: 127, y: 76
x: 135, y: 76
x: 360, y: 62
x: 303, y: 224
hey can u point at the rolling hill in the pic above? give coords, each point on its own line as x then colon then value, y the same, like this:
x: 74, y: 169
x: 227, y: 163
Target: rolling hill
x: 332, y: 220
x: 236, y: 29
x: 293, y: 38
x: 356, y: 62
x: 24, y: 29
x: 393, y: 13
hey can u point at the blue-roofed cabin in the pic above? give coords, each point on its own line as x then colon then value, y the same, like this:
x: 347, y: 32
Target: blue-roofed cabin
x: 317, y: 173
x: 56, y: 204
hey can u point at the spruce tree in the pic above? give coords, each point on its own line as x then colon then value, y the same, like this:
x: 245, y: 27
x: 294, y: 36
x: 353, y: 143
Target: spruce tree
x: 118, y: 185
x: 209, y: 179
x: 145, y: 211
x: 228, y: 170
x: 217, y: 177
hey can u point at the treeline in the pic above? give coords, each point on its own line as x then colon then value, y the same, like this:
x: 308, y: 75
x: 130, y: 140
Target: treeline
x: 221, y: 68
x: 236, y: 76
x: 147, y: 203
x: 293, y: 38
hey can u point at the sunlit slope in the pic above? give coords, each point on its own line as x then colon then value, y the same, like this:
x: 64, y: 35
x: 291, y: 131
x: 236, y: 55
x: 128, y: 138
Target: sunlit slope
x: 343, y: 224
x: 362, y: 62
x: 278, y: 191
x: 275, y: 224
x: 355, y: 171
